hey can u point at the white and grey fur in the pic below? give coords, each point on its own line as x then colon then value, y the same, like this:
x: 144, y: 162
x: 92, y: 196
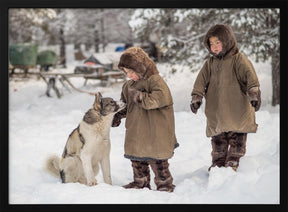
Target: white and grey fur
x: 88, y: 146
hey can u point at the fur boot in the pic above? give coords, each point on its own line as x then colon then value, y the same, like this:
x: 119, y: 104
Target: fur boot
x: 141, y: 176
x: 237, y: 142
x: 219, y: 150
x: 163, y: 178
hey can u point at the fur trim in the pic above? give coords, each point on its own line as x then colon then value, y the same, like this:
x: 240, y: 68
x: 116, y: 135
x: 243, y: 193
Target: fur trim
x: 253, y: 93
x: 136, y: 59
x: 225, y: 34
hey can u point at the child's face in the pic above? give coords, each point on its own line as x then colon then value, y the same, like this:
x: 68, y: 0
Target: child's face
x: 215, y: 45
x: 131, y: 74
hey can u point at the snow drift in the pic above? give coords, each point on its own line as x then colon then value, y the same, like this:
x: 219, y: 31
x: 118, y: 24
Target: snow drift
x: 39, y: 126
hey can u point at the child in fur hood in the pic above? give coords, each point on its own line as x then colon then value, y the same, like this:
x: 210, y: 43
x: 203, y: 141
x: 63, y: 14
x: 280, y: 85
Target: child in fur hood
x: 230, y: 86
x: 150, y: 129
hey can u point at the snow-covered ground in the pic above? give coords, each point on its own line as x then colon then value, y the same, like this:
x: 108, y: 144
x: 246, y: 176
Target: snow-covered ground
x: 39, y: 126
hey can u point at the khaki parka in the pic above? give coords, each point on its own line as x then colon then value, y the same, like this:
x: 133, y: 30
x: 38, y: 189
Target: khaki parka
x: 150, y: 124
x: 224, y: 81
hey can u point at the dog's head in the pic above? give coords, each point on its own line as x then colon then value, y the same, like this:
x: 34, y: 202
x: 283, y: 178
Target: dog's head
x: 107, y: 105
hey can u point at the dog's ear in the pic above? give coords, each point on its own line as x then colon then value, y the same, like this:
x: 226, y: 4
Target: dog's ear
x: 97, y: 102
x: 98, y: 94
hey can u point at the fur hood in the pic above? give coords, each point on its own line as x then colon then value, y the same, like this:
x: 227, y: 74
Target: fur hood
x: 136, y: 59
x: 225, y: 34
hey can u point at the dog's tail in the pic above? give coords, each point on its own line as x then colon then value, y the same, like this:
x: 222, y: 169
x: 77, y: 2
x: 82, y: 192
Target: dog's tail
x: 52, y: 165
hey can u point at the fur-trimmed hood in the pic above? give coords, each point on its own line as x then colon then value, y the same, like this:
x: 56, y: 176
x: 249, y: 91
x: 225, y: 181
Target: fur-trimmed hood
x: 136, y: 59
x: 225, y: 34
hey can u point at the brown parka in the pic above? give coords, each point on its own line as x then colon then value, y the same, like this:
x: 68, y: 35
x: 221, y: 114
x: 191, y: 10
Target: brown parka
x: 224, y: 81
x: 150, y: 125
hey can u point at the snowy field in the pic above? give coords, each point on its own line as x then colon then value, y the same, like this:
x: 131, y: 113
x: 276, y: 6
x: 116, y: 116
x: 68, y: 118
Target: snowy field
x: 39, y: 126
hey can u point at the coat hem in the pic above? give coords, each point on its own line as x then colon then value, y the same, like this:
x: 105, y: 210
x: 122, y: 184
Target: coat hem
x: 148, y: 158
x: 225, y: 131
x: 143, y: 158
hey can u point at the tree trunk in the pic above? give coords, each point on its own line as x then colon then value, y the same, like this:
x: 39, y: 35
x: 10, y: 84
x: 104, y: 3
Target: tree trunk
x: 276, y: 78
x: 96, y: 40
x: 103, y: 39
x: 62, y: 48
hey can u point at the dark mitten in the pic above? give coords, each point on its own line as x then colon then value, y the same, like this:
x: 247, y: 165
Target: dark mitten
x: 116, y: 120
x: 118, y: 116
x: 254, y: 95
x: 195, y: 103
x: 135, y: 95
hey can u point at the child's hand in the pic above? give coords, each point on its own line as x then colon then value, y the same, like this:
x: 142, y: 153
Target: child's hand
x: 256, y: 105
x: 116, y: 120
x: 135, y: 95
x: 118, y: 116
x: 195, y: 103
x: 255, y: 97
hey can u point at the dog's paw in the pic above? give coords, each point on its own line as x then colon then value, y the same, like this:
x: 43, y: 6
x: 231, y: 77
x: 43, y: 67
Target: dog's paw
x: 109, y: 182
x: 92, y: 182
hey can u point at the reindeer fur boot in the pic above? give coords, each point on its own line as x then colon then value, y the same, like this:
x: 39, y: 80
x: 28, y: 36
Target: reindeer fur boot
x: 141, y: 176
x: 219, y: 150
x: 163, y: 178
x: 227, y: 149
x: 237, y: 142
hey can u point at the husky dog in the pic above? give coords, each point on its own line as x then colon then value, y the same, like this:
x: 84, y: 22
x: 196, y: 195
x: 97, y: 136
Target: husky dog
x: 87, y: 146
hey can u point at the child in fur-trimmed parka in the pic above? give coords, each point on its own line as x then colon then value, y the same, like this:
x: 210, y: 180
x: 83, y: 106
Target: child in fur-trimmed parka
x: 230, y: 86
x: 150, y: 129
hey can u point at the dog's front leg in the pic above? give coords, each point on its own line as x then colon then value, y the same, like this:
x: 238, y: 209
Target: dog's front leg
x: 88, y: 170
x: 105, y: 166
